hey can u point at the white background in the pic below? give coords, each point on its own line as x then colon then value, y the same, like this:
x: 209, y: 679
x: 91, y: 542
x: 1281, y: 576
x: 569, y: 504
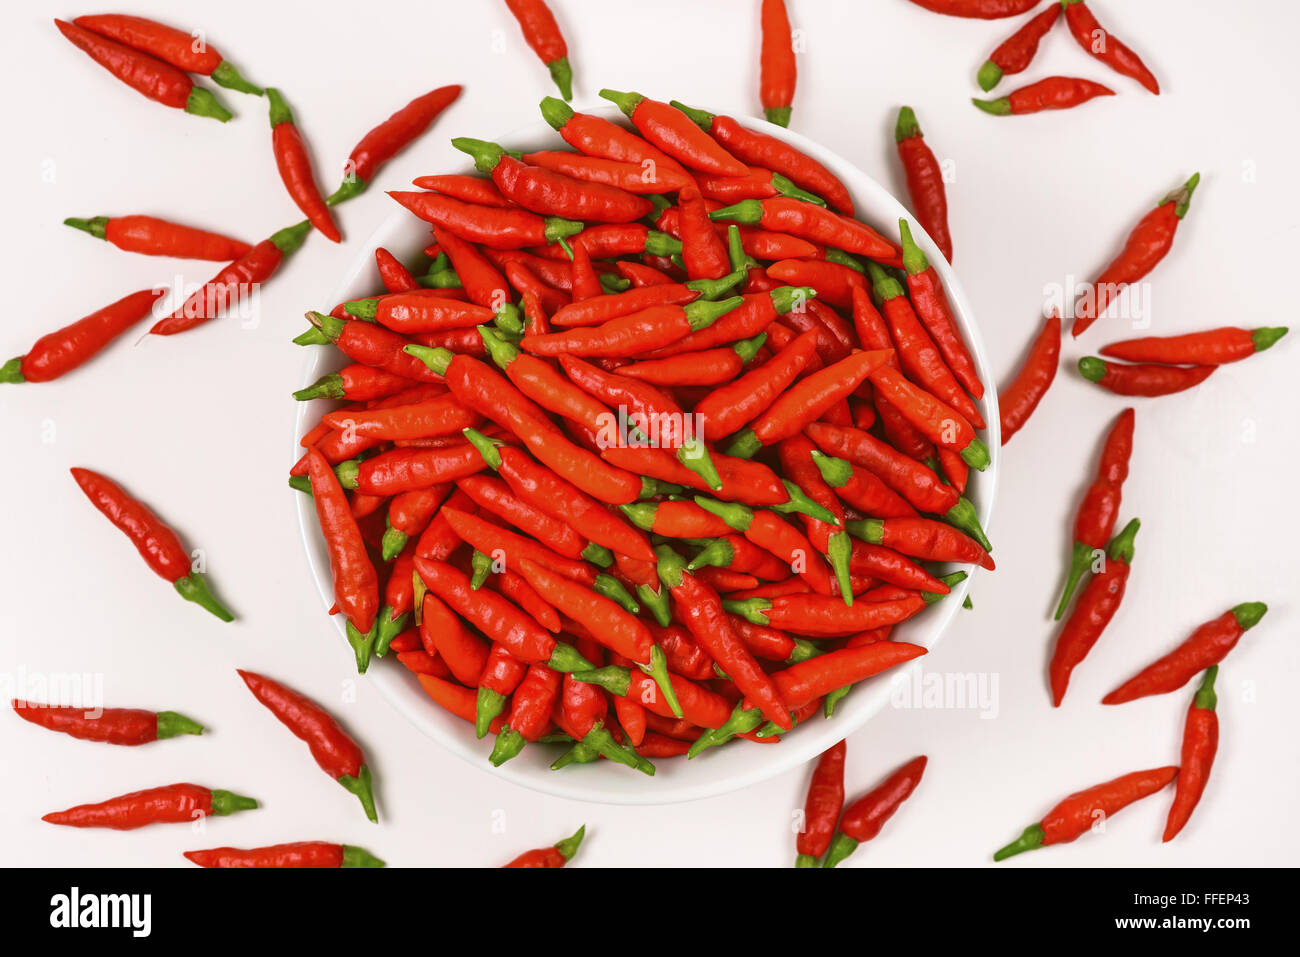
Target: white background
x: 200, y: 425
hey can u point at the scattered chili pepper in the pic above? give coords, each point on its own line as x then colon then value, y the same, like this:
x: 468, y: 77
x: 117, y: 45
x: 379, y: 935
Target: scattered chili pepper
x: 1053, y: 93
x: 1078, y: 813
x: 300, y: 854
x: 157, y: 544
x: 294, y: 163
x: 152, y: 236
x: 1203, y: 648
x: 1200, y: 742
x: 356, y: 382
x: 185, y: 51
x: 675, y: 133
x: 171, y: 804
x: 978, y: 9
x: 154, y: 78
x: 1097, y: 604
x: 776, y: 63
x: 1211, y: 347
x: 1145, y: 379
x: 543, y: 35
x: 1017, y: 51
x: 127, y: 726
x: 1094, y: 38
x: 1020, y: 398
x: 496, y: 227
x: 924, y: 180
x: 865, y: 817
x: 933, y: 309
x: 1095, y: 519
x: 332, y: 747
x: 822, y: 806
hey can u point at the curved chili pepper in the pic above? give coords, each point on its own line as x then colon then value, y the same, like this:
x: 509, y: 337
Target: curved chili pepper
x: 294, y: 163
x: 932, y: 307
x: 300, y: 854
x: 171, y: 804
x: 696, y: 703
x: 708, y: 367
x: 496, y: 497
x: 864, y: 818
x: 888, y: 565
x: 634, y: 334
x: 496, y: 227
x: 408, y: 469
x: 465, y: 654
x: 157, y: 544
x: 921, y: 538
x: 126, y: 726
x: 1145, y: 379
x: 912, y: 480
x: 229, y: 287
x: 940, y: 423
x: 1097, y: 604
x: 874, y: 334
x: 530, y: 713
x: 1211, y: 347
x: 333, y: 748
x: 631, y: 177
x: 777, y: 70
x: 356, y: 382
x: 833, y: 282
x: 675, y: 133
x: 597, y: 136
x: 807, y: 221
x: 703, y: 251
x: 389, y: 138
x: 1094, y: 39
x: 501, y: 675
x: 725, y: 410
x: 1017, y: 51
x: 1200, y: 742
x: 154, y: 78
x: 768, y: 152
x: 1147, y: 244
x: 812, y: 614
x: 183, y: 50
x: 924, y: 180
x: 543, y: 35
x: 58, y: 353
x: 739, y: 554
x: 758, y: 183
x: 419, y: 310
x: 442, y: 415
x: 151, y: 236
x: 1203, y: 648
x: 797, y: 455
x: 1078, y: 813
x: 676, y: 519
x: 1095, y: 519
x: 821, y: 806
x: 471, y: 189
x: 489, y: 539
x: 977, y: 9
x: 1020, y: 398
x: 1053, y: 93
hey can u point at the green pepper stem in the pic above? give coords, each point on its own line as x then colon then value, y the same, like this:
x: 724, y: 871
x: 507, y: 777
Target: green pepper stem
x: 171, y: 724
x: 562, y: 74
x: 362, y: 645
x: 627, y: 102
x: 1249, y: 613
x: 738, y: 516
x: 97, y: 227
x: 193, y: 587
x: 203, y: 102
x: 1031, y: 839
x: 228, y: 802
x: 701, y: 118
x: 363, y: 788
x: 507, y: 745
x: 1080, y: 562
x: 779, y: 115
x: 841, y: 847
x: 1205, y: 698
x: 226, y: 75
x: 359, y: 857
x: 328, y: 386
x: 487, y: 706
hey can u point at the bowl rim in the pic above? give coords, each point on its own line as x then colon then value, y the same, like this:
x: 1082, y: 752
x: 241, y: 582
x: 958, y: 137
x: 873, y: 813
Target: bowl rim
x: 600, y: 783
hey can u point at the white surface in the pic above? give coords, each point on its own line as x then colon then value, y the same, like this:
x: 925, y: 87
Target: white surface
x: 725, y: 770
x: 197, y: 424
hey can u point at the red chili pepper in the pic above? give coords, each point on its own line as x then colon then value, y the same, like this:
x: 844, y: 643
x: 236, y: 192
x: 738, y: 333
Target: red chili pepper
x: 171, y: 804
x: 634, y: 334
x: 1094, y: 38
x: 408, y: 469
x: 676, y: 519
x: 496, y: 227
x: 940, y: 423
x: 1204, y: 648
x: 756, y: 314
x: 797, y: 460
x: 632, y: 177
x: 300, y: 854
x: 823, y: 226
x: 931, y: 305
x: 496, y: 498
x: 776, y: 63
x: 768, y: 152
x: 774, y: 535
x: 489, y: 539
x: 483, y: 283
x: 394, y: 276
x: 294, y: 163
x: 703, y: 251
x: 356, y: 585
x: 758, y: 183
x: 924, y: 180
x: 911, y: 479
x: 419, y: 310
x: 1211, y: 347
x: 865, y: 817
x: 597, y: 136
x: 157, y: 544
x: 155, y: 79
x: 1097, y: 604
x: 739, y: 554
x: 465, y: 653
x: 356, y: 382
x: 472, y: 189
x: 530, y: 713
x: 389, y: 138
x: 1017, y: 51
x: 1148, y: 243
x: 126, y: 726
x: 543, y: 35
x: 585, y: 279
x: 151, y: 236
x: 641, y: 275
x: 874, y: 334
x: 185, y: 51
x: 443, y: 415
x: 58, y: 353
x: 705, y: 368
x: 232, y: 285
x: 1145, y: 379
x: 977, y: 9
x: 888, y: 565
x: 1200, y: 742
x: 811, y: 614
x: 1020, y: 398
x: 563, y: 852
x: 1053, y: 93
x: 675, y: 133
x: 1079, y: 812
x: 332, y: 747
x: 822, y: 806
x: 549, y: 193
x: 921, y: 538
x: 833, y: 282
x: 1095, y: 519
x: 810, y: 680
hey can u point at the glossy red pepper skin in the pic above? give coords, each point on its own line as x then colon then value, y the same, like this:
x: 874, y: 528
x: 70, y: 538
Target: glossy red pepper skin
x: 294, y: 163
x: 171, y: 804
x: 825, y: 227
x: 1200, y: 743
x: 1142, y: 379
x: 543, y: 34
x: 333, y: 749
x: 1211, y: 347
x: 632, y: 177
x: 443, y: 415
x: 822, y: 806
x: 390, y: 137
x: 1094, y: 39
x: 911, y: 479
x: 1017, y: 51
x: 123, y: 726
x: 1204, y: 648
x: 933, y: 309
x: 865, y: 817
x: 703, y: 251
x: 777, y: 70
x: 1020, y: 398
x: 494, y: 616
x: 940, y: 423
x: 811, y: 614
x: 676, y: 134
x: 356, y: 585
x: 315, y: 854
x: 495, y: 497
x: 186, y: 51
x: 151, y: 236
x: 597, y: 136
x: 548, y: 193
x: 478, y: 190
x: 489, y: 538
x: 924, y: 180
x: 1053, y: 93
x: 496, y: 227
x: 57, y: 353
x: 978, y: 9
x: 725, y: 410
x: 563, y: 852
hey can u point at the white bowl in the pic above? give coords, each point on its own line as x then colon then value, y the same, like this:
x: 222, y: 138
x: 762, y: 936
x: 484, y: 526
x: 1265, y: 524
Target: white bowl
x: 719, y: 770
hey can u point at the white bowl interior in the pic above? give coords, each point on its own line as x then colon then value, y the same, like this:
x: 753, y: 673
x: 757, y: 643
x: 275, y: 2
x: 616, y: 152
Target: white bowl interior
x: 720, y: 770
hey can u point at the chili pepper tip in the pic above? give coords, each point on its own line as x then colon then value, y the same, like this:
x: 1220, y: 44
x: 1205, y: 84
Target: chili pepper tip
x: 361, y: 786
x: 1265, y: 336
x: 998, y: 107
x: 193, y: 587
x: 562, y: 74
x: 359, y: 857
x: 1030, y: 840
x: 97, y: 226
x: 228, y: 802
x: 171, y: 724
